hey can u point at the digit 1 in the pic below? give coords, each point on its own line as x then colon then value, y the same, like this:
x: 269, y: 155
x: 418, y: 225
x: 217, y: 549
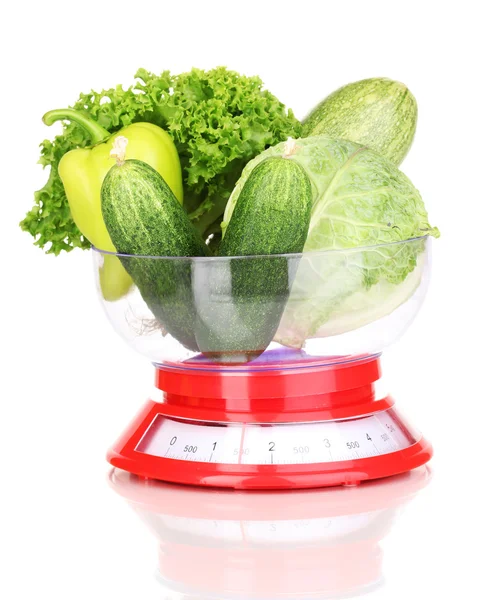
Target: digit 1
x: 214, y: 446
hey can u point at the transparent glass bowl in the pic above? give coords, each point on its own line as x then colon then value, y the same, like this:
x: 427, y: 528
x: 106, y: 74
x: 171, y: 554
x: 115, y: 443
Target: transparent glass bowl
x: 260, y: 310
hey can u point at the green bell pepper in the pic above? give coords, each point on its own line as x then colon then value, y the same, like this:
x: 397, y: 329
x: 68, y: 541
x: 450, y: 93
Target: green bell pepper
x: 83, y: 170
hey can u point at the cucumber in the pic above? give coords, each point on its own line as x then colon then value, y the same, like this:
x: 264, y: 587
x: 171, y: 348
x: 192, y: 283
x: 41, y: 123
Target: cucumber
x: 144, y: 218
x: 378, y: 113
x: 245, y: 298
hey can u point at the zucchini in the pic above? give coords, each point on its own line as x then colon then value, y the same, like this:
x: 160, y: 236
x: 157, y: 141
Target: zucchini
x: 378, y: 113
x: 144, y: 219
x: 246, y: 297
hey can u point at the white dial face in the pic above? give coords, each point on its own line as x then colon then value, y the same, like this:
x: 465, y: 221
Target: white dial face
x: 278, y: 443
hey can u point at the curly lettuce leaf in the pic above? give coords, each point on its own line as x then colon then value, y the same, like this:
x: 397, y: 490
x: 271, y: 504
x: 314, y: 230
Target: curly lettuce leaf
x: 360, y: 200
x: 218, y: 120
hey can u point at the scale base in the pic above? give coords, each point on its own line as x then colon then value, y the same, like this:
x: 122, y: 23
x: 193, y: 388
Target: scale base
x: 288, y: 425
x: 126, y: 454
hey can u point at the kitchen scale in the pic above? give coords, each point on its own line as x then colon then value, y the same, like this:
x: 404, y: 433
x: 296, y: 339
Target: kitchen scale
x: 291, y: 417
x: 319, y: 544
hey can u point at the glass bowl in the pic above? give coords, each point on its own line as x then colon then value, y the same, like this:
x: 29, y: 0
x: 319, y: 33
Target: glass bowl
x: 328, y: 306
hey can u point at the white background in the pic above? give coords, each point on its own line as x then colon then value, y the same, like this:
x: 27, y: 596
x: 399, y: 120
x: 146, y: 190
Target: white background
x: 69, y: 384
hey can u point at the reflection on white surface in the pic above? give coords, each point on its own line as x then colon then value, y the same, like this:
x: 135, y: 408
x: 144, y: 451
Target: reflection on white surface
x: 319, y: 544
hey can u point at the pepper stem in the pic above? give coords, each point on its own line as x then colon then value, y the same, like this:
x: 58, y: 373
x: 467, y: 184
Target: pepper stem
x: 119, y: 149
x: 97, y: 132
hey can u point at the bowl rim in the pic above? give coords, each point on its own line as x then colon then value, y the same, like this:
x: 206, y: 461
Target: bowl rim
x: 353, y: 249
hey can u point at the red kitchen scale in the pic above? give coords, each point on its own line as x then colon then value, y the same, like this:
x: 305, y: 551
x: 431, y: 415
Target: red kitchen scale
x: 282, y: 424
x: 310, y: 416
x: 300, y: 426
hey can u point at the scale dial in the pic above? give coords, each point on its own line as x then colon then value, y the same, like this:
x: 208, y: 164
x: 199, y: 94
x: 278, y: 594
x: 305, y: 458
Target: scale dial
x: 276, y: 444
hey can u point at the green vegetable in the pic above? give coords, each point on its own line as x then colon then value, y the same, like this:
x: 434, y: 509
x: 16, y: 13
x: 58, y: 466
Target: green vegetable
x: 218, y: 120
x: 144, y: 218
x: 367, y: 305
x: 378, y: 113
x: 247, y: 297
x: 359, y: 199
x: 82, y: 172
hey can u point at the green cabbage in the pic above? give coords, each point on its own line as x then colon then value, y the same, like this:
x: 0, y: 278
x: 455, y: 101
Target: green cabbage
x: 360, y: 199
